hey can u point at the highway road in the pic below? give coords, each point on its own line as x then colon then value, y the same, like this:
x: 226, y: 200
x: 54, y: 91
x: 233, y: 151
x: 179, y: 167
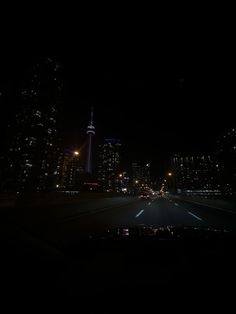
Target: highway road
x: 65, y: 223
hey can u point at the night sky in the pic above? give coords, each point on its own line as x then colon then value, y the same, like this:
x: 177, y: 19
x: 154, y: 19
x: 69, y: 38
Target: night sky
x: 125, y: 89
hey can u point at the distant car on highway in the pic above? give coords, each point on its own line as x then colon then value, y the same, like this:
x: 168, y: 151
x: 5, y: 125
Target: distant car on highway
x: 144, y: 196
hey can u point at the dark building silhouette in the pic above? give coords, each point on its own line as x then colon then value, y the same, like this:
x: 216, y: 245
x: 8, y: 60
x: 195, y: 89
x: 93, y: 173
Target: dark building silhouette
x: 32, y: 158
x: 225, y: 158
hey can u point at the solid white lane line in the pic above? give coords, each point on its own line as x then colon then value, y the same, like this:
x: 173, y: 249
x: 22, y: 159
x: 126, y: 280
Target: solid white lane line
x: 140, y: 213
x: 198, y: 218
x: 176, y: 204
x: 211, y: 206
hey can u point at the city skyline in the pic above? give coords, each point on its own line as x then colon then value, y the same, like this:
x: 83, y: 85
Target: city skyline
x: 136, y: 197
x: 124, y: 100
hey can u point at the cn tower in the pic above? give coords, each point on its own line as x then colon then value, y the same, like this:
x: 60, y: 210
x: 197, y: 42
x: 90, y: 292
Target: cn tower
x: 91, y: 133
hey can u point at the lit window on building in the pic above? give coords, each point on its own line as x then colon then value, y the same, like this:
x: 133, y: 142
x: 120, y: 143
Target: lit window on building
x: 38, y: 114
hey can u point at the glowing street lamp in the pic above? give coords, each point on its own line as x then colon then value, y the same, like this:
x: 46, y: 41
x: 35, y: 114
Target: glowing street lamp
x: 76, y: 153
x: 170, y: 174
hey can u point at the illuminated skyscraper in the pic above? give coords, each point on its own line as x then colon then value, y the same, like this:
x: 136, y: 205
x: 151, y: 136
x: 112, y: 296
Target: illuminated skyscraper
x: 109, y: 164
x: 70, y: 171
x: 141, y: 174
x: 194, y: 174
x: 91, y: 133
x: 32, y: 157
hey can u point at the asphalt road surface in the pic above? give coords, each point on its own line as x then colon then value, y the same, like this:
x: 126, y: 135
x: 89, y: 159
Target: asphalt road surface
x: 63, y: 224
x: 26, y: 229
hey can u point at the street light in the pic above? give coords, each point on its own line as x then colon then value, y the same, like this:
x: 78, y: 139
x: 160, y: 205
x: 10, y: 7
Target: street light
x: 136, y: 181
x: 120, y: 175
x: 76, y: 153
x: 171, y: 181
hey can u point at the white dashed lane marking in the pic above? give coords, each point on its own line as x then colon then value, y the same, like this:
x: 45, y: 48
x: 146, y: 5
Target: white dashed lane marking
x: 198, y: 218
x: 140, y: 213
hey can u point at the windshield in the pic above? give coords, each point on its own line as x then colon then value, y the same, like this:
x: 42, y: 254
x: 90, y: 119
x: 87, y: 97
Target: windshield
x: 106, y: 165
x: 92, y: 147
